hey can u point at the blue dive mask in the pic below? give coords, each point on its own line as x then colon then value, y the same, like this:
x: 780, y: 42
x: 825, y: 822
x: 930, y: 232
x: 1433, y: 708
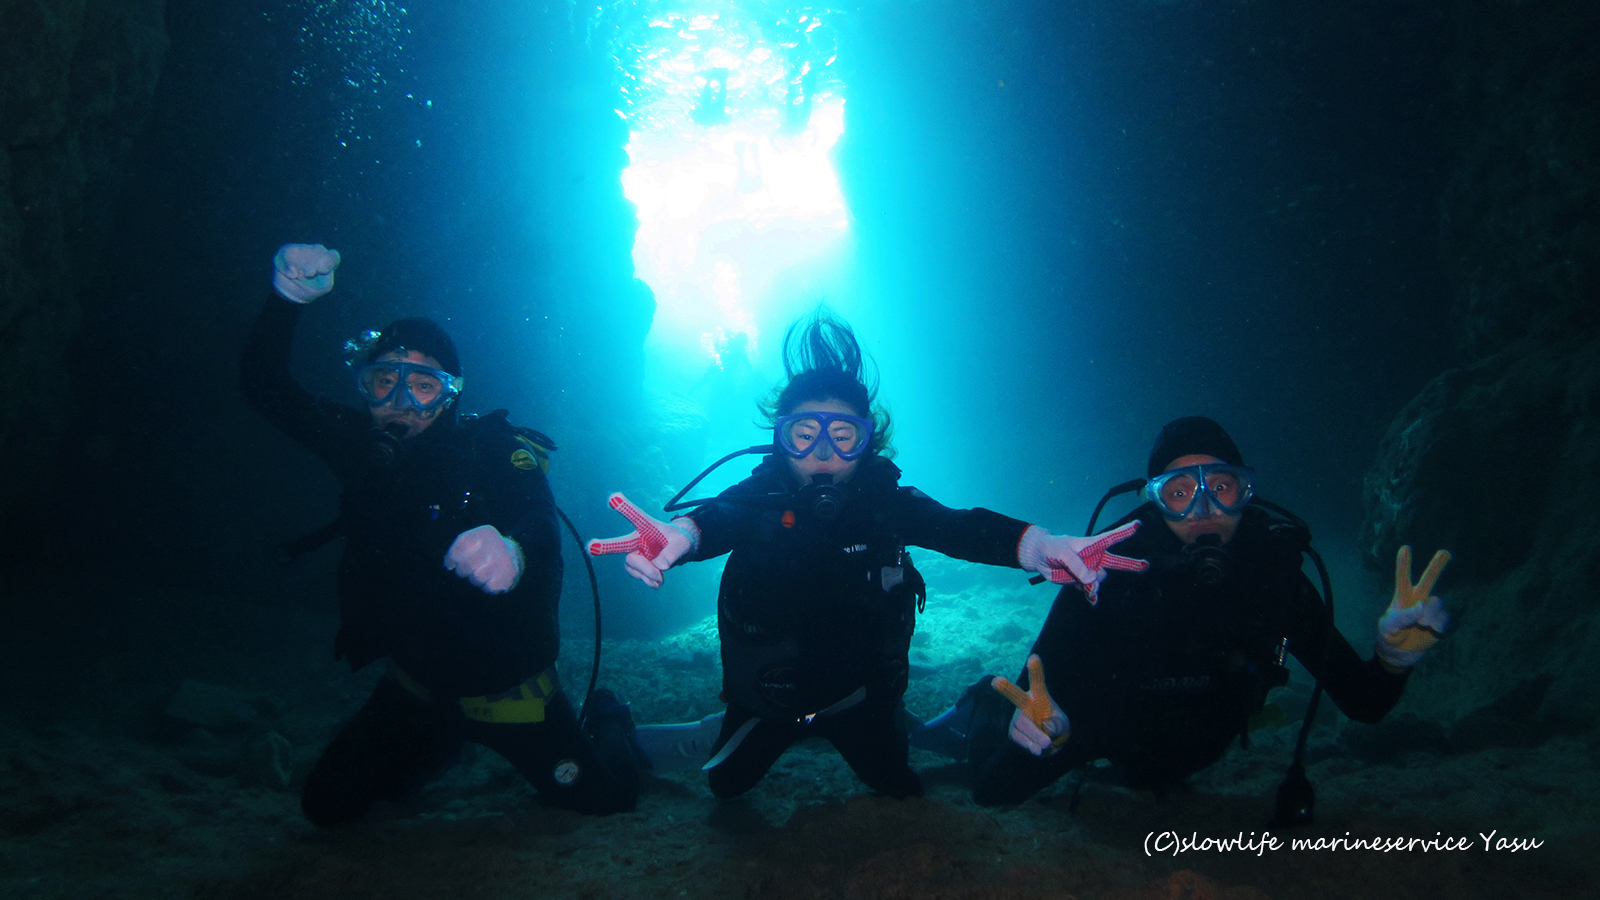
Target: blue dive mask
x: 1196, y: 490
x: 407, y: 385
x: 823, y: 433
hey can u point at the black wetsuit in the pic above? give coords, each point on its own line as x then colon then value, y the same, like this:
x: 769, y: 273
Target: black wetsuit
x: 1162, y: 673
x: 403, y: 503
x: 816, y: 617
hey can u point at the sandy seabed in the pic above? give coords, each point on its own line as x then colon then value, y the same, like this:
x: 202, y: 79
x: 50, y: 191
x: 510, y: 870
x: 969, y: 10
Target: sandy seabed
x: 103, y: 795
x: 95, y: 817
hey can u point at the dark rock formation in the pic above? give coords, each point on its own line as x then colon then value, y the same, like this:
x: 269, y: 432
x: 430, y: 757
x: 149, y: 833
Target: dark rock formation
x: 75, y: 89
x: 1497, y: 460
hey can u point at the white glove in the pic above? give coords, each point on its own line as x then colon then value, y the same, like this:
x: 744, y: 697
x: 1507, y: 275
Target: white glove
x: 654, y: 547
x: 1069, y: 560
x: 1041, y: 740
x: 487, y: 558
x: 304, y: 272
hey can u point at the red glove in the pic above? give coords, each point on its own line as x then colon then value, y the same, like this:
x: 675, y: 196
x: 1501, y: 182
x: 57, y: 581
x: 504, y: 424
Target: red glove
x: 1075, y: 560
x: 654, y: 547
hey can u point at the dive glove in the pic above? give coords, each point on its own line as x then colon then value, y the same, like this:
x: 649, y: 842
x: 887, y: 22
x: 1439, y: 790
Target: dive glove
x: 654, y: 547
x: 487, y: 558
x: 1076, y: 560
x: 1415, y: 620
x: 303, y: 272
x: 1038, y: 726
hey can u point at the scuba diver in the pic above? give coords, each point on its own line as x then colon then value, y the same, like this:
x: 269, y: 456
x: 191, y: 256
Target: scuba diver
x: 819, y: 597
x: 1162, y: 670
x: 712, y: 107
x: 451, y: 569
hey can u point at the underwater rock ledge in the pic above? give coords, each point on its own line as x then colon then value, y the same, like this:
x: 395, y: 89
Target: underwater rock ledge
x: 1497, y: 460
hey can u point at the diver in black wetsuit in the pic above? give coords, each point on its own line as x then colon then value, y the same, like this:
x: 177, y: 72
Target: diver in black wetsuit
x: 451, y: 570
x: 1165, y: 668
x: 819, y: 597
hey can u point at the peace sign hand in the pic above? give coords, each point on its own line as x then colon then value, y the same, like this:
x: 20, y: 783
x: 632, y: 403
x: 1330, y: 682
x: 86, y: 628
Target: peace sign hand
x: 1076, y: 560
x: 653, y: 547
x: 1415, y: 620
x: 1038, y: 726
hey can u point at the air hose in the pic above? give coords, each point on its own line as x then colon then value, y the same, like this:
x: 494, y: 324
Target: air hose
x: 594, y: 588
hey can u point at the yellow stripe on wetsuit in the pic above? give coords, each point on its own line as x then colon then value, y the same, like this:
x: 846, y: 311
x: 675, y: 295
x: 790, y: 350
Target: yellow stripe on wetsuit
x: 521, y: 705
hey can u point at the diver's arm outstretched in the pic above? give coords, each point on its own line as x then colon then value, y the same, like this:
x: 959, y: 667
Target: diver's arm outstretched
x: 983, y: 536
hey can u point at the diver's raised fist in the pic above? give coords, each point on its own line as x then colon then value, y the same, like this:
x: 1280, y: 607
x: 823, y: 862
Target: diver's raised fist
x: 488, y: 559
x: 303, y: 272
x: 654, y: 547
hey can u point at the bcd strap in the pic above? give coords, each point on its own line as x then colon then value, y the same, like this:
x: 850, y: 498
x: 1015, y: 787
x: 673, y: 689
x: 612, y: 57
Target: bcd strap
x: 521, y: 705
x: 533, y: 447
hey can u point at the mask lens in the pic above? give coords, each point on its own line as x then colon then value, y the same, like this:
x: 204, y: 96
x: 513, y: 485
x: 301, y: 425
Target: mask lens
x: 845, y: 435
x: 1231, y: 488
x: 419, y: 387
x: 800, y: 434
x: 378, y: 382
x: 1176, y: 493
x: 425, y: 389
x: 1217, y: 488
x: 1225, y: 487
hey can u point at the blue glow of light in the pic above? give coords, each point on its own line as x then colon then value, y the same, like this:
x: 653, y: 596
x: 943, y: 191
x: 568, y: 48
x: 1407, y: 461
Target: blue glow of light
x: 731, y: 191
x: 722, y: 213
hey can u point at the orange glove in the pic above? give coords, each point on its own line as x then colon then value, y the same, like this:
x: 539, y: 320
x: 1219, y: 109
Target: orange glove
x: 1415, y: 620
x: 1038, y: 726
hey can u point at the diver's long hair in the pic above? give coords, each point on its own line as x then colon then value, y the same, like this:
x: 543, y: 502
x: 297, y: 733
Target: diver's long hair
x: 822, y: 360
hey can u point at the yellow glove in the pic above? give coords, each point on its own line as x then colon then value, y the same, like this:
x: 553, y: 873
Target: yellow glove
x: 1415, y: 620
x: 1038, y: 726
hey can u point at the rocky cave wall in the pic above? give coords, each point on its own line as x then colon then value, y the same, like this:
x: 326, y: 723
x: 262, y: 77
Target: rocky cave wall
x: 76, y: 87
x: 1499, y: 460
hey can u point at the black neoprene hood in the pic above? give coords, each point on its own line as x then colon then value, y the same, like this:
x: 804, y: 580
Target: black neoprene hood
x: 1192, y: 436
x: 422, y: 335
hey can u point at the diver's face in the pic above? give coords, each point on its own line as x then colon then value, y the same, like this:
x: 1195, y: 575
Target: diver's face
x: 813, y: 463
x: 423, y: 387
x: 1205, y: 518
